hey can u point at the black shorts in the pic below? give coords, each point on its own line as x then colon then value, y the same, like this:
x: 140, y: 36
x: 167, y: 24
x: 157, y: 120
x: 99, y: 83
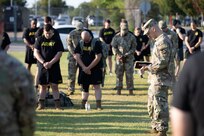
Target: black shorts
x: 187, y: 53
x: 110, y: 51
x: 179, y: 54
x: 95, y: 78
x: 146, y: 52
x: 29, y: 56
x: 52, y: 75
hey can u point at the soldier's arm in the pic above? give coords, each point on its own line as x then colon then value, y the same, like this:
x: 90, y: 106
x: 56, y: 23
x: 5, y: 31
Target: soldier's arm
x: 163, y: 57
x: 70, y: 45
x: 198, y: 43
x: 114, y: 44
x: 25, y: 104
x: 132, y: 47
x: 56, y: 58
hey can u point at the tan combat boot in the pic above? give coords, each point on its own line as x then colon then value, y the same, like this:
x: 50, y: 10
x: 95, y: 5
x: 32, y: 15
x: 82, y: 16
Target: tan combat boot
x: 57, y: 105
x: 118, y: 92
x: 98, y: 105
x: 41, y: 105
x: 131, y: 92
x: 83, y: 102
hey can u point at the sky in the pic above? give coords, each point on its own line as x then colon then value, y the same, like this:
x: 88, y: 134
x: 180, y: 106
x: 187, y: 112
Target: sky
x: 74, y: 3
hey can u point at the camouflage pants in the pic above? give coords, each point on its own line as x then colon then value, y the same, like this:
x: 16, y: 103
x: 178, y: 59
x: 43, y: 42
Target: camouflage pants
x: 72, y: 68
x: 158, y: 107
x: 126, y: 68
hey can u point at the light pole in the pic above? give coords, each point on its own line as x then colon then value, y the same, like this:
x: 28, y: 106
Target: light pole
x: 48, y: 7
x: 36, y: 8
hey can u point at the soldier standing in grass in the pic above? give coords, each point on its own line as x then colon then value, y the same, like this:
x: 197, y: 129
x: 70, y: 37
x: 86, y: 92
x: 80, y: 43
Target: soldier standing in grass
x: 124, y: 45
x: 72, y: 41
x: 17, y: 99
x: 29, y: 40
x: 174, y: 39
x: 88, y: 55
x: 48, y: 50
x: 160, y: 77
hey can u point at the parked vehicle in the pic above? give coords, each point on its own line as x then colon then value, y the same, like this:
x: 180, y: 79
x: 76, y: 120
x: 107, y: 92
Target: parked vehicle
x: 64, y: 30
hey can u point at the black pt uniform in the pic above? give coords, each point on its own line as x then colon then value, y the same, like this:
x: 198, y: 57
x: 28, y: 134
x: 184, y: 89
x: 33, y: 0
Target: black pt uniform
x: 29, y: 35
x: 5, y: 41
x: 87, y: 56
x: 48, y: 48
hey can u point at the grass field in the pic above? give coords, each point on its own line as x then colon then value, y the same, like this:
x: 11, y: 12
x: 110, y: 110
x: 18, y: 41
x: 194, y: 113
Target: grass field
x: 121, y: 115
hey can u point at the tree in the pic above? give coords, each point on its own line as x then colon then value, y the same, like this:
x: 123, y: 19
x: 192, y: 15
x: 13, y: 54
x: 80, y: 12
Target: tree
x: 57, y: 6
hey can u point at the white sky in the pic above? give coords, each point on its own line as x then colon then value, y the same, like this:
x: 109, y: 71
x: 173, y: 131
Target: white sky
x: 74, y: 3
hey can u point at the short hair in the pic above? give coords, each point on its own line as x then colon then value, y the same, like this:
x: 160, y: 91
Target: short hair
x: 194, y: 21
x: 48, y: 27
x: 107, y: 21
x: 34, y: 20
x: 47, y: 19
x: 123, y: 21
x: 175, y: 22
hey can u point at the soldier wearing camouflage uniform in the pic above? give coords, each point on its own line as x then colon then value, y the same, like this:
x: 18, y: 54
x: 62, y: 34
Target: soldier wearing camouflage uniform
x: 160, y: 77
x: 17, y: 99
x: 174, y: 39
x: 72, y: 40
x: 124, y: 45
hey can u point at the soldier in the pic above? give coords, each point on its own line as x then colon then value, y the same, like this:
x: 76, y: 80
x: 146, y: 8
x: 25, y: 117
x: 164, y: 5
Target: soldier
x: 174, y: 39
x: 48, y: 50
x: 17, y: 99
x: 124, y: 45
x: 106, y: 35
x: 73, y: 39
x: 4, y: 38
x: 29, y: 40
x: 88, y: 55
x: 193, y: 40
x: 160, y: 77
x: 181, y: 37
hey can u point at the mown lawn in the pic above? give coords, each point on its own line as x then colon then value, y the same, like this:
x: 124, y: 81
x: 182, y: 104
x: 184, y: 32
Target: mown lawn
x: 122, y: 115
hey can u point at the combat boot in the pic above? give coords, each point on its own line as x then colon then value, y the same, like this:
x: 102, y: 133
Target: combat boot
x: 83, y: 102
x: 41, y: 105
x: 161, y: 133
x: 57, y: 105
x: 118, y: 92
x: 98, y: 105
x: 131, y: 92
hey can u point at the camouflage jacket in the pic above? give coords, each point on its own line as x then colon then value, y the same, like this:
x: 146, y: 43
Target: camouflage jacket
x: 161, y: 67
x: 73, y: 39
x: 174, y: 38
x: 124, y: 45
x: 17, y: 99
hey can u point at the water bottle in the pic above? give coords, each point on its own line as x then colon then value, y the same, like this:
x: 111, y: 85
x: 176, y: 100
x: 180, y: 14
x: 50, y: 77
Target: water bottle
x: 87, y: 106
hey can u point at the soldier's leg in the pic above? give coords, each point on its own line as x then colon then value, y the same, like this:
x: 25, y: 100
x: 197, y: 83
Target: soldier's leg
x: 110, y: 64
x: 98, y: 96
x: 129, y: 76
x: 56, y: 96
x: 28, y: 67
x: 41, y: 100
x: 84, y: 95
x: 72, y: 68
x: 160, y: 108
x: 119, y: 70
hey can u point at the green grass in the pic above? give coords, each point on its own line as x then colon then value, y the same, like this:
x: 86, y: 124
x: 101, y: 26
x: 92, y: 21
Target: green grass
x: 122, y: 115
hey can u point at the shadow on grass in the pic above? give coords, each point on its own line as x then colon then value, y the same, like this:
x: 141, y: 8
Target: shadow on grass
x: 117, y: 117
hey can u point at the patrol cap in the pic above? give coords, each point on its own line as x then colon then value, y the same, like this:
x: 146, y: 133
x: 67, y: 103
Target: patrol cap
x: 79, y: 25
x: 162, y: 24
x: 148, y: 25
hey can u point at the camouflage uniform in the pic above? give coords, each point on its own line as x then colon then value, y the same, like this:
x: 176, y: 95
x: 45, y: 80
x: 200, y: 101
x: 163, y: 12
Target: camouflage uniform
x: 160, y: 80
x: 17, y: 99
x: 174, y: 38
x: 72, y: 40
x: 124, y: 46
